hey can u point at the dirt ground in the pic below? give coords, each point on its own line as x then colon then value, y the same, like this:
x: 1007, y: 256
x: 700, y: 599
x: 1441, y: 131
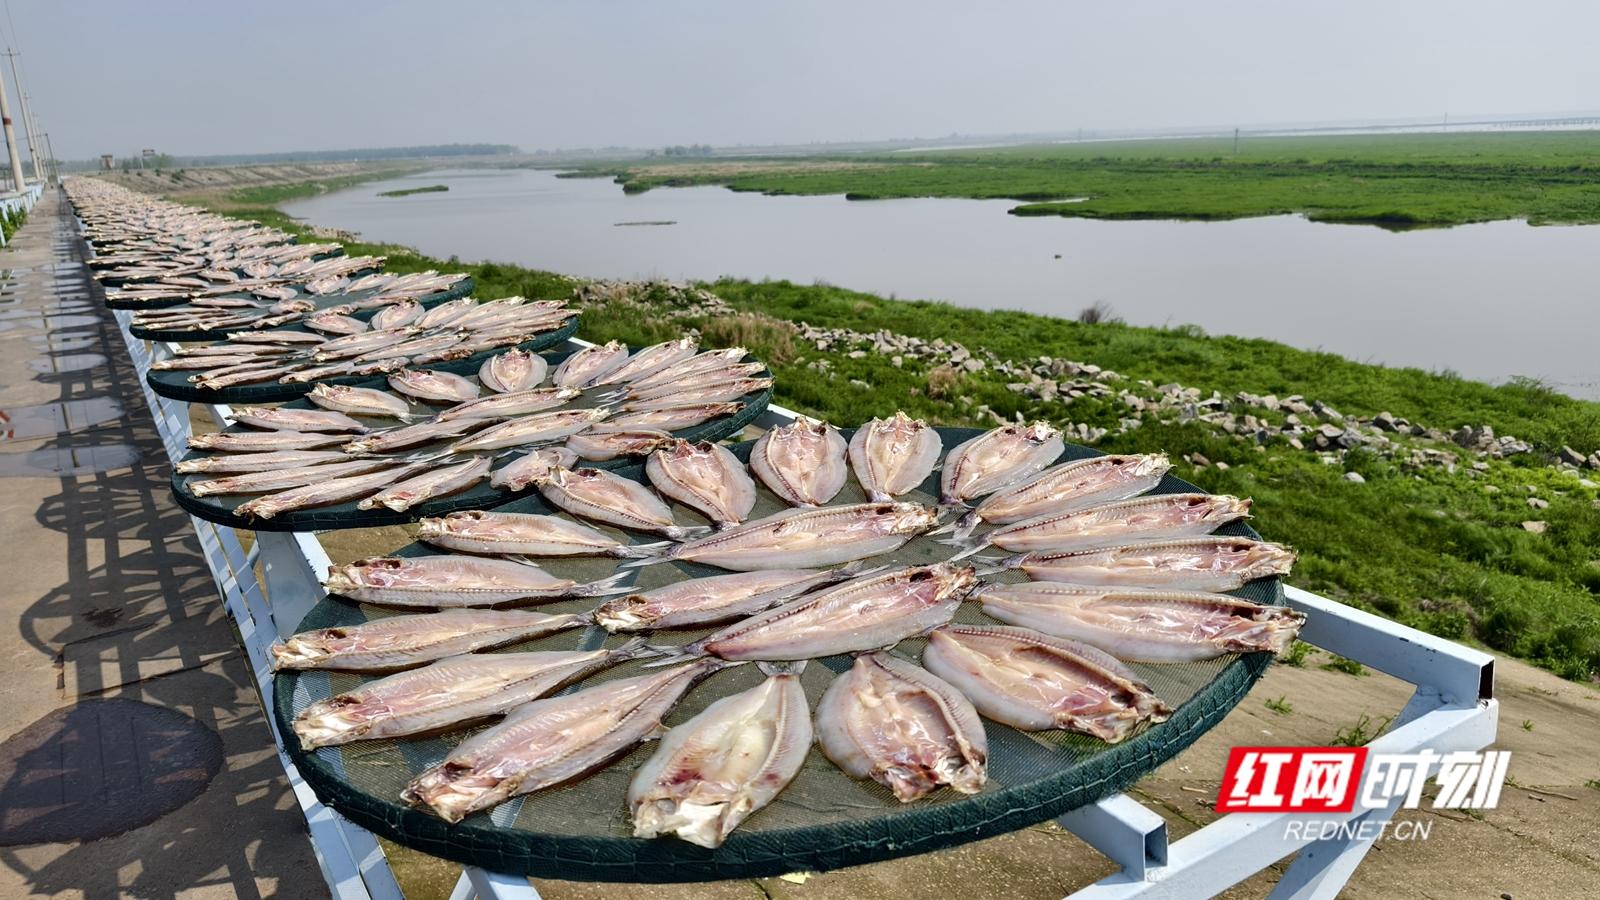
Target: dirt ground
x: 184, y: 181
x: 1538, y: 843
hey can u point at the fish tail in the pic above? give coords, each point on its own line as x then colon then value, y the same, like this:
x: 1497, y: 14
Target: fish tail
x: 971, y: 549
x: 673, y: 655
x: 794, y: 667
x: 686, y: 532
x: 639, y: 555
x: 635, y: 648
x: 605, y: 587
x: 967, y: 524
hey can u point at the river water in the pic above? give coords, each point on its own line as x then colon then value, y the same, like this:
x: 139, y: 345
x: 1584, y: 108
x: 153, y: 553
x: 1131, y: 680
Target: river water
x: 1489, y: 301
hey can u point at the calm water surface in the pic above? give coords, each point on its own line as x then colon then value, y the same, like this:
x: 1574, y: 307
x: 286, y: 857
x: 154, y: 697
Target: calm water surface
x: 1490, y: 301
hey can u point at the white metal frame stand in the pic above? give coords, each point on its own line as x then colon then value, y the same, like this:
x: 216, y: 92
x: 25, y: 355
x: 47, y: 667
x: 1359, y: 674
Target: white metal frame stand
x: 1453, y: 708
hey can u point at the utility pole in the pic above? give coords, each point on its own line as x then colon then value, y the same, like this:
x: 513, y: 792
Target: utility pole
x: 49, y: 148
x: 27, y: 120
x: 1236, y: 142
x: 11, y: 137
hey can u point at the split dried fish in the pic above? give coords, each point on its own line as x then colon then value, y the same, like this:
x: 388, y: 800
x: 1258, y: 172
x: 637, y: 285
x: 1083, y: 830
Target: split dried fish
x: 401, y: 642
x: 434, y: 387
x: 550, y: 741
x: 675, y: 418
x: 1142, y: 624
x: 447, y: 693
x: 864, y: 613
x: 610, y: 499
x: 358, y: 401
x: 533, y: 429
x: 903, y: 727
x: 1072, y: 486
x: 807, y: 538
x: 531, y: 467
x: 407, y: 436
x: 705, y: 477
x: 650, y: 360
x: 333, y: 323
x: 287, y: 419
x: 325, y: 493
x: 719, y: 392
x: 397, y: 315
x: 515, y: 403
x: 718, y: 598
x: 527, y: 534
x: 432, y: 485
x: 1158, y: 517
x: 282, y: 479
x: 585, y: 367
x: 254, y: 441
x: 998, y: 458
x: 1188, y: 564
x: 803, y: 463
x: 1035, y: 682
x: 606, y: 441
x: 512, y: 371
x: 237, y: 463
x: 453, y: 581
x: 713, y: 771
x: 893, y: 456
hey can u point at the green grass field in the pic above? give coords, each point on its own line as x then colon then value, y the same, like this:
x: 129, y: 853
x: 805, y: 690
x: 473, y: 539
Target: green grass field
x: 1397, y: 181
x: 1434, y: 549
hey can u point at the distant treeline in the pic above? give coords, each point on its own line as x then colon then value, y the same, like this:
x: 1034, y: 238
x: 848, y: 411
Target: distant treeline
x: 165, y: 160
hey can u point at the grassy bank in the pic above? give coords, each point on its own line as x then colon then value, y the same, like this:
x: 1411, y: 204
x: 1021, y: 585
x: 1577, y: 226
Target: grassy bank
x: 1441, y: 548
x: 1395, y: 181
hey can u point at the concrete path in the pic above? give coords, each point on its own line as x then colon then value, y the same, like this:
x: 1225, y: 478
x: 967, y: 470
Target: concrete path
x: 109, y: 624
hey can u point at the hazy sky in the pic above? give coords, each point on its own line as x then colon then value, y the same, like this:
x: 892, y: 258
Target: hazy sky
x: 219, y: 77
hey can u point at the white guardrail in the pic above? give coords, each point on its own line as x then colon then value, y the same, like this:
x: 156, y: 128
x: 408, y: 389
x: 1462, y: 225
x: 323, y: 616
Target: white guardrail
x: 1453, y: 708
x: 15, y: 201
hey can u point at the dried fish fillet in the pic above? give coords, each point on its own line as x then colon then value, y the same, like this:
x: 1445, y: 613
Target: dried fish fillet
x: 714, y: 599
x: 238, y: 463
x: 675, y: 418
x: 448, y: 692
x: 1035, y: 682
x: 288, y: 419
x: 585, y: 367
x: 998, y: 458
x: 865, y: 613
x: 550, y: 741
x: 903, y: 727
x: 893, y: 456
x: 1072, y: 486
x: 284, y: 478
x: 610, y: 499
x: 512, y: 371
x: 434, y: 387
x: 359, y: 401
x: 480, y: 531
x: 533, y: 429
x: 325, y: 493
x: 516, y: 403
x: 1158, y: 517
x: 257, y: 441
x: 1143, y: 624
x: 705, y: 477
x: 650, y: 360
x: 407, y: 436
x: 605, y: 441
x: 808, y: 538
x: 713, y: 771
x: 803, y: 463
x: 440, y: 482
x: 452, y: 581
x: 531, y: 467
x: 400, y: 642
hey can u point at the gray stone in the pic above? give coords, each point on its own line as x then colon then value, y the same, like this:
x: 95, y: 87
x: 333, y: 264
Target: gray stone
x: 1385, y: 421
x: 1354, y: 478
x: 1569, y: 455
x: 1535, y: 526
x: 1536, y: 503
x: 1198, y: 460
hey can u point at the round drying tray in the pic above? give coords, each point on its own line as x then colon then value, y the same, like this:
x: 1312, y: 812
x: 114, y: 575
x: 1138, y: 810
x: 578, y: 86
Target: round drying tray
x: 822, y: 820
x: 219, y: 508
x: 460, y: 289
x: 174, y: 384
